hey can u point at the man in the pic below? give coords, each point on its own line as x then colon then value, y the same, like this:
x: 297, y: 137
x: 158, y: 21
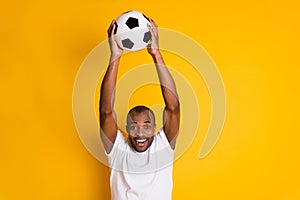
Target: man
x: 141, y: 167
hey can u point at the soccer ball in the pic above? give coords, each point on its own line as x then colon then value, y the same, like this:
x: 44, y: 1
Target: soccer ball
x: 131, y: 31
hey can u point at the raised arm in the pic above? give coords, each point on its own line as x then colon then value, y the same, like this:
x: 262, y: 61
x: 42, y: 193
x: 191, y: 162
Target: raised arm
x: 108, y: 121
x: 168, y: 88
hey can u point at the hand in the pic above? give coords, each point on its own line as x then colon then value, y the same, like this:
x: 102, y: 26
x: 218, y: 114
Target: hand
x: 153, y: 47
x: 115, y: 50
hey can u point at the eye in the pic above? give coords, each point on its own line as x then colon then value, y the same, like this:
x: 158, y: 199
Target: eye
x: 147, y: 127
x: 133, y: 128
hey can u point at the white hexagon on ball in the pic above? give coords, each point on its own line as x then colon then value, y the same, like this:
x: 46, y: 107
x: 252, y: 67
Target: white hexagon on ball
x: 131, y: 31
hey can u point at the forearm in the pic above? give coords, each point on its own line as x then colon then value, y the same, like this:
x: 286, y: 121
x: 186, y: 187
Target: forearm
x: 107, y: 93
x: 167, y: 83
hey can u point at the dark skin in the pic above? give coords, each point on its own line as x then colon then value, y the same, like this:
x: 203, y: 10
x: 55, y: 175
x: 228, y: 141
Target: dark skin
x: 141, y: 131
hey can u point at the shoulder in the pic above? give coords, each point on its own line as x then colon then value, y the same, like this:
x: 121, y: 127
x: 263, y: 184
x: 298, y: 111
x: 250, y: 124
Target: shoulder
x: 120, y: 143
x: 161, y: 139
x: 161, y: 135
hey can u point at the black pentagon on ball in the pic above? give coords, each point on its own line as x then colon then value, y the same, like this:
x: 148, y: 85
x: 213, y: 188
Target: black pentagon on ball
x: 127, y: 43
x: 147, y: 37
x: 132, y: 22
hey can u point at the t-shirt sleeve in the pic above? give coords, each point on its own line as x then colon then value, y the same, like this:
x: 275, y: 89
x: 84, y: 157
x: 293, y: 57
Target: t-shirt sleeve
x: 119, y: 140
x: 162, y: 139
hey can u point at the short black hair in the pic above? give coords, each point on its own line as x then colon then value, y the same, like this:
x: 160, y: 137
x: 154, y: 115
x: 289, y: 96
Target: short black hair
x: 139, y: 109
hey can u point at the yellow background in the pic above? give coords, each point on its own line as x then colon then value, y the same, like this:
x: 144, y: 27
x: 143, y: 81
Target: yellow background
x: 255, y: 46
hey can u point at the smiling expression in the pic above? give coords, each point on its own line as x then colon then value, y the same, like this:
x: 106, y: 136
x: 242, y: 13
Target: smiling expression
x: 140, y: 128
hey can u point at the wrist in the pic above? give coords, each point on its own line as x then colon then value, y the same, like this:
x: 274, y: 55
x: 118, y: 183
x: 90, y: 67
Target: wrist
x: 156, y: 54
x: 114, y: 57
x: 157, y: 57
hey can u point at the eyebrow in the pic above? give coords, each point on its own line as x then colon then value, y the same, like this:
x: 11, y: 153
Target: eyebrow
x: 147, y: 121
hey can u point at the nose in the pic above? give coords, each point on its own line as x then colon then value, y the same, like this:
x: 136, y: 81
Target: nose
x: 139, y: 131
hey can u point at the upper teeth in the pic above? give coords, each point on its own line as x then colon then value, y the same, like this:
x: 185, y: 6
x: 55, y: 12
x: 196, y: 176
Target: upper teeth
x: 141, y: 140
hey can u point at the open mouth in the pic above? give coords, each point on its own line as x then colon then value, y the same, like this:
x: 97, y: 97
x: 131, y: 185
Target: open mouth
x: 141, y: 142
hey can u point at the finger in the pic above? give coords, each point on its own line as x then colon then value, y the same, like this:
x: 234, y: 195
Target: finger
x: 153, y: 22
x: 154, y: 27
x: 149, y: 43
x: 150, y: 29
x: 110, y: 29
x: 113, y: 29
x: 110, y: 26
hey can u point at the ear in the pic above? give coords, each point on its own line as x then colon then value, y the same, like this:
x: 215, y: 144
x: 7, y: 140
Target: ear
x: 154, y: 127
x: 127, y: 129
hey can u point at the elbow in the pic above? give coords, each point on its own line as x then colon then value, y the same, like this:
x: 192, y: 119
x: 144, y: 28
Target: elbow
x: 174, y: 107
x: 104, y: 111
x: 106, y: 115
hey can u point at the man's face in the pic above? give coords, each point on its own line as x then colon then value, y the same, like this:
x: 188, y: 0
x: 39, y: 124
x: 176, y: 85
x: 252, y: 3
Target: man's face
x: 141, y: 129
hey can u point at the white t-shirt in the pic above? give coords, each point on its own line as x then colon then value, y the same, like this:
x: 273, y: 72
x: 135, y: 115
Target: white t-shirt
x: 141, y: 176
